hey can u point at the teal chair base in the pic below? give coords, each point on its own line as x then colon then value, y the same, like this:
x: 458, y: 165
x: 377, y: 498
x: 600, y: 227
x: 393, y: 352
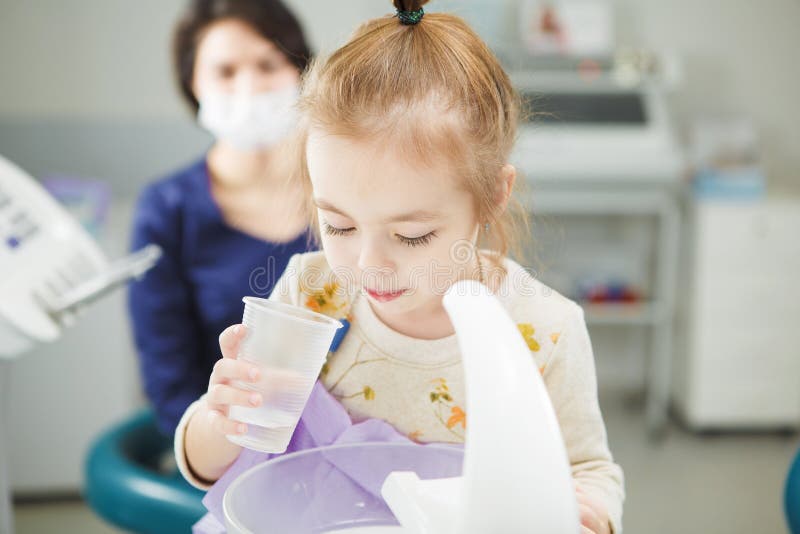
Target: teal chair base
x: 791, y: 496
x: 125, y: 485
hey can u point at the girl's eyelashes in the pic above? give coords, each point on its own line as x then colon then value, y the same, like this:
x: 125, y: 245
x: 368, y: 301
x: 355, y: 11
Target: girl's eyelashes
x: 333, y: 230
x: 420, y: 241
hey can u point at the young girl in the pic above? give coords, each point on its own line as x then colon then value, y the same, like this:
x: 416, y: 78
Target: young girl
x: 404, y: 149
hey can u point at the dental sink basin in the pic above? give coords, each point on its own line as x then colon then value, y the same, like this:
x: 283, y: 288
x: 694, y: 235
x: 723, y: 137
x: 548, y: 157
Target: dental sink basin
x: 331, y: 489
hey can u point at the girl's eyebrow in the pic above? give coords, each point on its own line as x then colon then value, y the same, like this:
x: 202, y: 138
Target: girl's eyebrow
x: 327, y: 206
x: 415, y: 216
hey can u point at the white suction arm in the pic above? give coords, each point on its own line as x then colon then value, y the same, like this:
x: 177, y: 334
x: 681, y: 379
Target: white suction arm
x: 517, y: 476
x: 119, y: 272
x: 50, y: 267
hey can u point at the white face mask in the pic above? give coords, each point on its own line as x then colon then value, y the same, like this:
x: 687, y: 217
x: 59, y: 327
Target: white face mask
x: 250, y: 121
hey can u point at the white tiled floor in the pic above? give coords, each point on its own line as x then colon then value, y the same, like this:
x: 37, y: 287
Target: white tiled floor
x: 704, y: 484
x: 689, y: 484
x: 66, y: 517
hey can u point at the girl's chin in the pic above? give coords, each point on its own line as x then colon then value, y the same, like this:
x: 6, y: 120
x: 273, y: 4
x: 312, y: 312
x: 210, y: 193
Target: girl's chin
x: 398, y: 302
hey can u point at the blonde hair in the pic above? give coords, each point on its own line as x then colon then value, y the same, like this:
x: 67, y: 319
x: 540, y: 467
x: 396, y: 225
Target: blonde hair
x: 384, y: 84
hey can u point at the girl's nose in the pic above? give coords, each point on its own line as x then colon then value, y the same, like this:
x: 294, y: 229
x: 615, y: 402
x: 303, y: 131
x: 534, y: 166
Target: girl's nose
x: 373, y: 257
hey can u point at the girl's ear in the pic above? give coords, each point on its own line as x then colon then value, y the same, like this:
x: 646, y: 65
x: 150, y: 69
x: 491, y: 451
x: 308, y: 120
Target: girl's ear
x: 505, y: 184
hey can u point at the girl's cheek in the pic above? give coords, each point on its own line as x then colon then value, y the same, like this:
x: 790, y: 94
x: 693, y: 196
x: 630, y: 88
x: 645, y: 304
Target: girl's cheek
x: 341, y: 252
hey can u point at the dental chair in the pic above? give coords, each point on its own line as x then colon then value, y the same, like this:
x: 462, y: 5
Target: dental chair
x: 791, y: 496
x: 126, y: 484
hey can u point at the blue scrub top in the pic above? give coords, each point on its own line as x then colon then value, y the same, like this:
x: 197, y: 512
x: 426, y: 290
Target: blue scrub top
x: 180, y: 307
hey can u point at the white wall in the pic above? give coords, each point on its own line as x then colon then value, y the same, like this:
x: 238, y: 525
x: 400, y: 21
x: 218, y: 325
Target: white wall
x: 108, y: 60
x: 740, y: 57
x: 93, y: 59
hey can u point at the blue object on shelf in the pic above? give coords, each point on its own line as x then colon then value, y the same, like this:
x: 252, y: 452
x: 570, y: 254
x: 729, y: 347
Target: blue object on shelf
x: 125, y: 486
x: 741, y: 183
x: 791, y: 496
x: 87, y: 200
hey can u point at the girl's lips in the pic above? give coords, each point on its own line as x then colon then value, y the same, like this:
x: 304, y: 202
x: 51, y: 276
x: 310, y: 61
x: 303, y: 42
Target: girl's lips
x: 384, y: 296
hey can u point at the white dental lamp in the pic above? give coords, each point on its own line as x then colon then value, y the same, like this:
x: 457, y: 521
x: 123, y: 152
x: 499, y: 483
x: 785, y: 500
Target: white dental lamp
x: 50, y: 269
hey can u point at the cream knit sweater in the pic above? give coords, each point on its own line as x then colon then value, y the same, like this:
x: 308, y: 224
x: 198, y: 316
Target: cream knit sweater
x: 418, y: 385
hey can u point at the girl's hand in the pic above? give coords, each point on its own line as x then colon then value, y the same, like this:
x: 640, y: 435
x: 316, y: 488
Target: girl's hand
x: 222, y: 390
x: 594, y: 517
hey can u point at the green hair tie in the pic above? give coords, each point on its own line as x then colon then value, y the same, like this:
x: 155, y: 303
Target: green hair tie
x: 410, y: 18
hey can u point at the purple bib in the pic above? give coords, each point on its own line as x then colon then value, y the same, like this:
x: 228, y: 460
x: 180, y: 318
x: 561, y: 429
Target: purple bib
x: 324, y: 422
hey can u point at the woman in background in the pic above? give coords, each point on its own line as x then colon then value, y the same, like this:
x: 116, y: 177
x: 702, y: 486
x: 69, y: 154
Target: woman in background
x: 228, y: 223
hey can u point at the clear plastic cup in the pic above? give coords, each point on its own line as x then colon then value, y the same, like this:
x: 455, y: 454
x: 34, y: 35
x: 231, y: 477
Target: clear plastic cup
x: 289, y: 345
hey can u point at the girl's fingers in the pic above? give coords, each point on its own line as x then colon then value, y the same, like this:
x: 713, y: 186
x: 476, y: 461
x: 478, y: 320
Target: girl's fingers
x: 227, y: 369
x: 223, y: 425
x: 592, y: 513
x: 225, y: 395
x: 230, y: 339
x: 589, y: 519
x: 221, y: 394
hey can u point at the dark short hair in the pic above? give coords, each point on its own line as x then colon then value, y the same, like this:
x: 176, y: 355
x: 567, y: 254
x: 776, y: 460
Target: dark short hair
x: 270, y: 18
